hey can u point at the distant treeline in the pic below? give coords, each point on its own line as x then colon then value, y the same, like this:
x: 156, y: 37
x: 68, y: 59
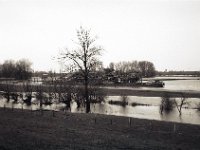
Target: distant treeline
x: 145, y: 68
x: 178, y: 73
x: 20, y: 70
x: 123, y: 71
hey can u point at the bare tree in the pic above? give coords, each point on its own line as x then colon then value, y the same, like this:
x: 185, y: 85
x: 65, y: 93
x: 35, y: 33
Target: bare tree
x: 40, y: 95
x: 23, y: 69
x: 52, y: 75
x: 126, y: 66
x: 111, y: 66
x: 8, y: 69
x: 124, y: 99
x: 84, y: 57
x: 147, y: 68
x: 182, y: 103
x: 20, y: 70
x: 28, y: 89
x: 8, y: 91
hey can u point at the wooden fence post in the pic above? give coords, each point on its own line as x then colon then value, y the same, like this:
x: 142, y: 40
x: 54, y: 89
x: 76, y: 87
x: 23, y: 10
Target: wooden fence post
x: 41, y: 111
x: 95, y: 120
x: 129, y: 121
x: 53, y: 114
x: 174, y: 128
x: 31, y: 110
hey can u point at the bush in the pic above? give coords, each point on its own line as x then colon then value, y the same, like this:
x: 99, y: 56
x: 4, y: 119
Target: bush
x: 167, y: 104
x: 124, y: 99
x: 96, y: 94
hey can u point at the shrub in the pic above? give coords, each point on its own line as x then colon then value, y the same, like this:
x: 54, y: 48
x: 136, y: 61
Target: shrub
x: 124, y: 99
x: 167, y: 104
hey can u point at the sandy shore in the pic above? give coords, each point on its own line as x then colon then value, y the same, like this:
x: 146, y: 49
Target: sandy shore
x: 30, y: 130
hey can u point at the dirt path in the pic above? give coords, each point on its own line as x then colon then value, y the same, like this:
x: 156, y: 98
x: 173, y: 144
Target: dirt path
x: 30, y: 130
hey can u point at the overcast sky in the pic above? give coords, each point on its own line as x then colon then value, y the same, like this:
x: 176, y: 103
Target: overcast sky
x: 166, y: 32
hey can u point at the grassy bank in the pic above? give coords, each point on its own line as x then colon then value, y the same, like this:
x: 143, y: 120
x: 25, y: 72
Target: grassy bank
x: 118, y: 91
x: 30, y: 130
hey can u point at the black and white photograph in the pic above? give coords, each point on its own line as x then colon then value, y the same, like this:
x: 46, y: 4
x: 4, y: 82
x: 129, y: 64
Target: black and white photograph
x: 99, y: 74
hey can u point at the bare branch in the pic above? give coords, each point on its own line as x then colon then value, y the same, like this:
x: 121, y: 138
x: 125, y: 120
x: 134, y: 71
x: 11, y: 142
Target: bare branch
x: 73, y: 58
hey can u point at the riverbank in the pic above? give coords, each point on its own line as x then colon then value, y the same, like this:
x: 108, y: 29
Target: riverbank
x: 128, y: 90
x: 30, y: 130
x: 158, y: 92
x: 188, y: 88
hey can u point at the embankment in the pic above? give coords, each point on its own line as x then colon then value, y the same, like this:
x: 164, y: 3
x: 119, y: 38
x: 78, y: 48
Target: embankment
x: 30, y: 130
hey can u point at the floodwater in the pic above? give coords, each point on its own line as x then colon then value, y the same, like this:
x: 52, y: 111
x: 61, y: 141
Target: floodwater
x: 152, y: 112
x: 189, y: 113
x: 182, y: 83
x: 190, y: 85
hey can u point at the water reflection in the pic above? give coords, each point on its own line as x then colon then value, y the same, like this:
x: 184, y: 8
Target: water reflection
x: 189, y: 115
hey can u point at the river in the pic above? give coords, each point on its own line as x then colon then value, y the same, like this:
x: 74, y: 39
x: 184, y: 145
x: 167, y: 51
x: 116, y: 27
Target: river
x: 180, y: 83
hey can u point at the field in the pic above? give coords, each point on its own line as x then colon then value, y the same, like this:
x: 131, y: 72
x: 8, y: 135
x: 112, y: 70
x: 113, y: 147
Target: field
x: 111, y: 91
x: 30, y: 130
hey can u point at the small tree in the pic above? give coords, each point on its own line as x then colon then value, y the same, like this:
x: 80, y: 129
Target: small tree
x: 96, y: 94
x: 182, y: 102
x: 84, y: 57
x: 28, y: 89
x: 167, y: 104
x: 68, y: 91
x: 124, y: 99
x: 50, y: 95
x: 79, y: 96
x: 40, y: 95
x: 8, y: 91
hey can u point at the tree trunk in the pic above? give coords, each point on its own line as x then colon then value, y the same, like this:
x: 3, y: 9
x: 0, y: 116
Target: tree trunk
x: 40, y: 103
x: 86, y: 95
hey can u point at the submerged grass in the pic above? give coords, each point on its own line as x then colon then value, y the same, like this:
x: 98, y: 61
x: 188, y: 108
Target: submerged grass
x: 120, y: 103
x: 139, y: 104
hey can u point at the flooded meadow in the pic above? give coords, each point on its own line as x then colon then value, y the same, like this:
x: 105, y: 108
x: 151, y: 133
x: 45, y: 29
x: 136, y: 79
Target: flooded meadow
x: 137, y: 106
